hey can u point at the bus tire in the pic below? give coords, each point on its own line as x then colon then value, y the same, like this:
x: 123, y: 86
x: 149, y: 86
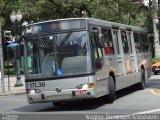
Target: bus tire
x: 57, y: 104
x: 155, y: 73
x: 141, y: 84
x: 111, y: 90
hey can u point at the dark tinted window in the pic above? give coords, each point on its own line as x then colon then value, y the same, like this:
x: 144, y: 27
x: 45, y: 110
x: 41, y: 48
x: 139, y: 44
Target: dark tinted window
x: 136, y: 42
x: 124, y: 42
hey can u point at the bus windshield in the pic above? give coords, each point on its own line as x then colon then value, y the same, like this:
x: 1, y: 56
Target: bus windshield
x: 60, y: 54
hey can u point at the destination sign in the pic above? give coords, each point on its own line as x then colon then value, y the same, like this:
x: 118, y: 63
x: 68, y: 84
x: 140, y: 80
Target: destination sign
x: 56, y: 25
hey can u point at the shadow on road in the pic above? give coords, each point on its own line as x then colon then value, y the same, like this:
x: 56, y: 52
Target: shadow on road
x: 86, y: 104
x: 81, y: 105
x: 89, y: 104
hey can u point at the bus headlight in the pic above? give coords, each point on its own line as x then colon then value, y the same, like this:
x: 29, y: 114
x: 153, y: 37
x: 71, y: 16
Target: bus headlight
x: 85, y: 86
x: 32, y: 92
x: 82, y: 86
x: 83, y: 89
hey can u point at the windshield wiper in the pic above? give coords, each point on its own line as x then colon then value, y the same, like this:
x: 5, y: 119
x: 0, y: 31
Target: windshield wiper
x: 65, y: 37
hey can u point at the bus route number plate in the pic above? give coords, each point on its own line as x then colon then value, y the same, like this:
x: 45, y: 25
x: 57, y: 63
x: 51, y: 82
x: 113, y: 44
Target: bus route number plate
x: 37, y: 84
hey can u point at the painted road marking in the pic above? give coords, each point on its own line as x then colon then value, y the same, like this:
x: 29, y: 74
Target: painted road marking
x: 154, y: 93
x: 149, y: 111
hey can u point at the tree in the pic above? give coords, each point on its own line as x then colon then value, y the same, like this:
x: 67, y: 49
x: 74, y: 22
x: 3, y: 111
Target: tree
x: 113, y: 10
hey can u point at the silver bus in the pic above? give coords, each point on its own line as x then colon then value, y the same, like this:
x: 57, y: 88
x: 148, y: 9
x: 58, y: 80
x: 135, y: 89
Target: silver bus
x: 83, y: 58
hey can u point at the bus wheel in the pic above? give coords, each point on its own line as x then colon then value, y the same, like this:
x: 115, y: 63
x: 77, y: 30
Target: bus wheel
x: 57, y: 104
x: 141, y: 84
x: 155, y: 73
x: 111, y: 90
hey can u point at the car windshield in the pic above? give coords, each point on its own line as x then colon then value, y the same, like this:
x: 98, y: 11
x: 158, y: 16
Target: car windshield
x: 58, y: 54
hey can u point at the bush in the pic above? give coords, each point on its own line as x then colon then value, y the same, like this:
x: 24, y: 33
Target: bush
x: 154, y: 60
x: 22, y: 70
x: 12, y: 71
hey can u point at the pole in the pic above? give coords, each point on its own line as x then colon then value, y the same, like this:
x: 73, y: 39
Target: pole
x: 8, y: 69
x: 155, y: 31
x: 18, y: 73
x: 1, y: 51
x: 2, y: 65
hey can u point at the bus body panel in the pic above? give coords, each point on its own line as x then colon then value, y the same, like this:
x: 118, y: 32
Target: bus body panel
x: 58, y: 90
x: 128, y: 80
x: 51, y: 85
x: 144, y: 59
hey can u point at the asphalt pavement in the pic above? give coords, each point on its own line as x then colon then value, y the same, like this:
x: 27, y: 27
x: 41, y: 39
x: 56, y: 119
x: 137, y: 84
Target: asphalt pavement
x: 129, y: 101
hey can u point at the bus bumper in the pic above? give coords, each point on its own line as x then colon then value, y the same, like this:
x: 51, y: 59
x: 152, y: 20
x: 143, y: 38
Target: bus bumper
x: 63, y: 95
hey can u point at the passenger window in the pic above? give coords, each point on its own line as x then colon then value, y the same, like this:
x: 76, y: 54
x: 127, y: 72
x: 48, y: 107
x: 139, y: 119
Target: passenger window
x: 124, y: 42
x: 143, y: 42
x: 136, y: 42
x: 115, y: 37
x: 129, y: 40
x: 98, y: 54
x: 108, y: 41
x: 94, y: 45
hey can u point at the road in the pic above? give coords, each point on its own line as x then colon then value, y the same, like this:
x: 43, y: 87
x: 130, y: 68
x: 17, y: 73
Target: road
x: 129, y: 101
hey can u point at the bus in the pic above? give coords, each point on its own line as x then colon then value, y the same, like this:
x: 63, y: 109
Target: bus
x: 83, y: 58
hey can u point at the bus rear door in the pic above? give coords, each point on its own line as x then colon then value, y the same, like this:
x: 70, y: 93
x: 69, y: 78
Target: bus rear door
x: 131, y: 51
x: 128, y: 57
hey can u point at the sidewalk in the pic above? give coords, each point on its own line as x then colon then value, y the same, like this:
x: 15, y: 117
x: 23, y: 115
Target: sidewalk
x: 13, y: 90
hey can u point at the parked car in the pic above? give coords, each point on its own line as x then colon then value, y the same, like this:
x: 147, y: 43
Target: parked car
x: 156, y: 67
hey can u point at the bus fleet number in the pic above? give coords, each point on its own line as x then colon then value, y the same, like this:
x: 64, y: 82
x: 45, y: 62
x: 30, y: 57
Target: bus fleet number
x: 38, y: 84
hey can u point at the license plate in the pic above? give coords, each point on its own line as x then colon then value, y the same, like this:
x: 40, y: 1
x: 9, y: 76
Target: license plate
x: 156, y: 68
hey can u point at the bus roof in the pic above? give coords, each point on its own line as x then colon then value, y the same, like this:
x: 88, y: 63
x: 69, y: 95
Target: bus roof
x: 97, y: 22
x: 114, y: 24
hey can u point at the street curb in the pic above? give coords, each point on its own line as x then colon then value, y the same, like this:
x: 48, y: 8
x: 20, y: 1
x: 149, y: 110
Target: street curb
x: 155, y: 92
x: 7, y: 94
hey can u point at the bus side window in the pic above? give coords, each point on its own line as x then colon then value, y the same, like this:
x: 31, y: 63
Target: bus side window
x: 115, y: 37
x: 108, y: 41
x: 143, y: 42
x: 136, y: 40
x: 96, y: 50
x: 124, y: 42
x: 150, y: 44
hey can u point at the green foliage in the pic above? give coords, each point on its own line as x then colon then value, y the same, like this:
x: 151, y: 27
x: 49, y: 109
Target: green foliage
x: 11, y: 71
x: 103, y: 9
x: 122, y: 11
x: 154, y: 60
x: 2, y: 21
x: 149, y: 22
x: 22, y: 70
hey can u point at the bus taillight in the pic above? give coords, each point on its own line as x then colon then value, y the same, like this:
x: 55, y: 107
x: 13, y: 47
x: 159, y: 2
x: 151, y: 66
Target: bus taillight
x: 91, y: 85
